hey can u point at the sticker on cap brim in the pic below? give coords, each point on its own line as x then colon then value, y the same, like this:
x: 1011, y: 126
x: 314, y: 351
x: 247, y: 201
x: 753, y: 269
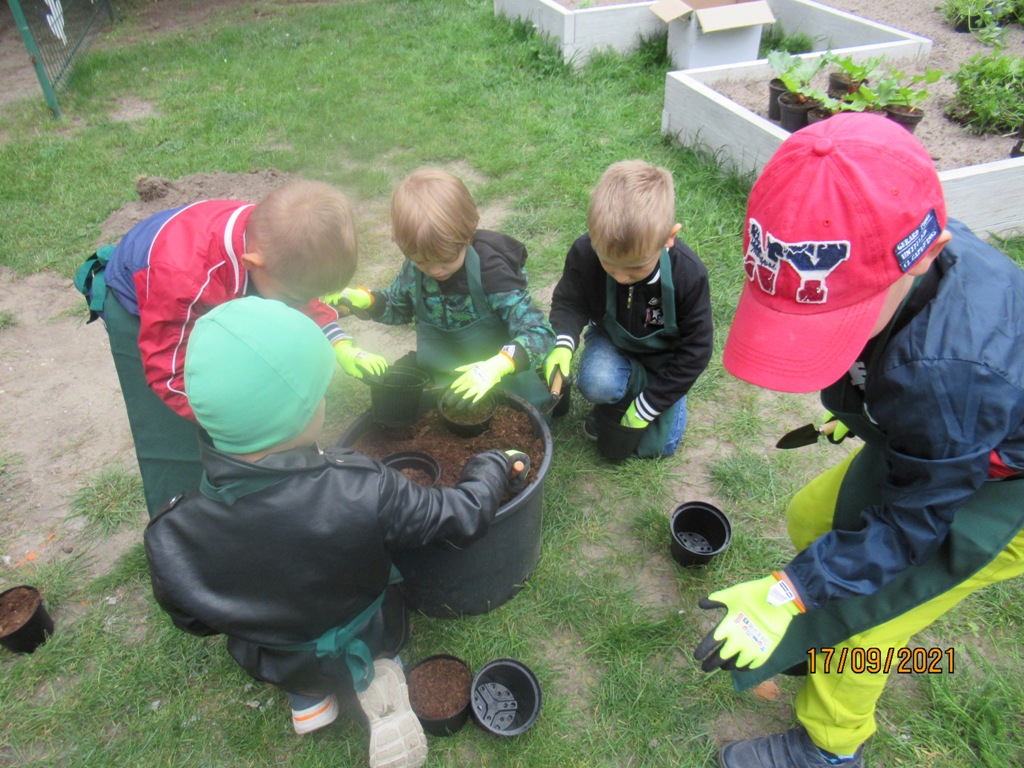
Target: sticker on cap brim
x: 913, y: 246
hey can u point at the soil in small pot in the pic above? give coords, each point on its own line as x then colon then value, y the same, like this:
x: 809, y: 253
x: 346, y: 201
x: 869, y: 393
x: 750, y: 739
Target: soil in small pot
x: 418, y: 476
x: 439, y: 688
x: 16, y: 608
x: 908, y: 117
x: 817, y: 114
x: 509, y: 429
x: 841, y: 84
x: 470, y: 413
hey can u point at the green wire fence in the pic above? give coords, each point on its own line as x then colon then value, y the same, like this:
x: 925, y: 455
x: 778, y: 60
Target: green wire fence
x: 57, y: 33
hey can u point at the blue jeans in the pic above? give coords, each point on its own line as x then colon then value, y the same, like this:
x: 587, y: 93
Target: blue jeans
x: 603, y: 378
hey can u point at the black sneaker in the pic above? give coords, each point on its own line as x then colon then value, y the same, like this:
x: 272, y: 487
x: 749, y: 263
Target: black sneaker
x: 590, y: 426
x: 792, y: 749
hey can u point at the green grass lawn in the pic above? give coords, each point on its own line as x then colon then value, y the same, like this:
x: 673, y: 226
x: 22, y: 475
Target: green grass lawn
x: 358, y: 94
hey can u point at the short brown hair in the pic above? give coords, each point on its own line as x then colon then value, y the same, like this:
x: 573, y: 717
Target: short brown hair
x: 433, y: 216
x: 306, y: 233
x: 632, y: 212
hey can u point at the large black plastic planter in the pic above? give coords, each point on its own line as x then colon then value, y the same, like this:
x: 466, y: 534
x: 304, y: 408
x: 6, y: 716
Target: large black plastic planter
x: 445, y: 582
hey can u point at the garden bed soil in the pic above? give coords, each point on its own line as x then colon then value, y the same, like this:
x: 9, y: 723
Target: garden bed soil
x: 510, y: 429
x: 949, y: 143
x: 439, y: 688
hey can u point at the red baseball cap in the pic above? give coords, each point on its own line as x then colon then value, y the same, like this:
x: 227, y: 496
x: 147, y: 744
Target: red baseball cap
x: 840, y: 212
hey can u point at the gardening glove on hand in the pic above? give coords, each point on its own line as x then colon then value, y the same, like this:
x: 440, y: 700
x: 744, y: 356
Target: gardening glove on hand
x: 757, y: 615
x: 632, y: 419
x: 355, y: 361
x: 833, y: 429
x: 478, y: 379
x: 559, y: 357
x: 355, y: 301
x: 519, y: 469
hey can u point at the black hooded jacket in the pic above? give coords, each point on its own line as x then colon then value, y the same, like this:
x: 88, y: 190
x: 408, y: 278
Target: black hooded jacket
x: 306, y: 547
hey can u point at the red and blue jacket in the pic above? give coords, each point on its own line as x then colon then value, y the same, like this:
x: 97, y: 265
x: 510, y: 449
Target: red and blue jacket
x: 174, y: 267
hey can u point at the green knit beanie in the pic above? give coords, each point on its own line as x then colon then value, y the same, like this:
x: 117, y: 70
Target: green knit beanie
x: 255, y: 372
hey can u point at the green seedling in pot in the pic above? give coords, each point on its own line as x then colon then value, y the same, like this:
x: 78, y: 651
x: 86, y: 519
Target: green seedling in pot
x: 897, y: 89
x: 796, y: 72
x: 856, y: 73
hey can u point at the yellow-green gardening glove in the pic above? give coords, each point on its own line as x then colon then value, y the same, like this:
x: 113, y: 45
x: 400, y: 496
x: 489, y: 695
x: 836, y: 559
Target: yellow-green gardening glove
x: 632, y: 419
x: 478, y: 379
x: 559, y: 357
x: 833, y: 429
x: 757, y: 616
x: 355, y: 361
x: 356, y: 301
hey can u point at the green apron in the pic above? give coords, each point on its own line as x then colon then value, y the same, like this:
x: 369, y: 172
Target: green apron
x: 657, y: 349
x: 981, y: 529
x: 166, y: 444
x: 336, y: 641
x: 439, y: 351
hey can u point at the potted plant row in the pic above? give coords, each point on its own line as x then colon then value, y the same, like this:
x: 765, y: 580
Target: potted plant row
x: 852, y: 87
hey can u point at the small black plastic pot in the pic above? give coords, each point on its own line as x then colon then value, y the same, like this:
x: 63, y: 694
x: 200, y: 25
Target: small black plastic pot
x: 699, y: 531
x: 420, y: 691
x: 614, y: 441
x: 466, y: 419
x: 775, y: 89
x: 396, y: 396
x: 793, y: 112
x: 506, y: 697
x: 24, y: 634
x: 415, y: 460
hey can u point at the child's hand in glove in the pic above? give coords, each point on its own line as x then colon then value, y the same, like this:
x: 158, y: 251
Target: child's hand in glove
x: 355, y: 361
x: 518, y: 470
x: 757, y: 616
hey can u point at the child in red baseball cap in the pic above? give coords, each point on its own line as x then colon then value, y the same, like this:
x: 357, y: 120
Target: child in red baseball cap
x: 858, y: 285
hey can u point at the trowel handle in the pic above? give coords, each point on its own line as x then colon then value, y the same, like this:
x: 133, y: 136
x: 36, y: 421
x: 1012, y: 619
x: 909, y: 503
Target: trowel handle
x: 556, y: 382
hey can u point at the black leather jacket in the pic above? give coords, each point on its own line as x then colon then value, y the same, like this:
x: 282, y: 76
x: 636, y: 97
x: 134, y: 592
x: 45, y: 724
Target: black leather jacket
x: 305, y: 547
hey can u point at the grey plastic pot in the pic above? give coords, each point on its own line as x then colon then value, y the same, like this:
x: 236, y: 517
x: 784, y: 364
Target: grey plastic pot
x: 445, y: 582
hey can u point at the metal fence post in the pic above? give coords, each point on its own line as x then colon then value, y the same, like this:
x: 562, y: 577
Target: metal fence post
x: 56, y: 34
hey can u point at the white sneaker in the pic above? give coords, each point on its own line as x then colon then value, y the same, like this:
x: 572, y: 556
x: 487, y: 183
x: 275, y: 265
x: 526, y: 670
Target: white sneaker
x: 396, y: 736
x: 317, y: 716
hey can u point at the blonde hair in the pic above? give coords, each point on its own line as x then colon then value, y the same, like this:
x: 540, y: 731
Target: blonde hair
x: 433, y: 216
x: 632, y: 212
x: 305, y: 231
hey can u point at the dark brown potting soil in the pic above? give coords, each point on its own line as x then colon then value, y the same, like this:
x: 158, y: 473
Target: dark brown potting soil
x: 17, y: 607
x: 510, y: 429
x: 471, y: 413
x: 439, y: 688
x: 418, y: 476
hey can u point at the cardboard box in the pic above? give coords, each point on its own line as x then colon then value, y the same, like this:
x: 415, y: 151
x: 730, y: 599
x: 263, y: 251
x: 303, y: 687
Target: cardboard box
x: 707, y: 33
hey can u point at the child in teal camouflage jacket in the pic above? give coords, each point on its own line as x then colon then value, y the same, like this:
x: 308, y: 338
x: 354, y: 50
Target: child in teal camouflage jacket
x: 466, y: 290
